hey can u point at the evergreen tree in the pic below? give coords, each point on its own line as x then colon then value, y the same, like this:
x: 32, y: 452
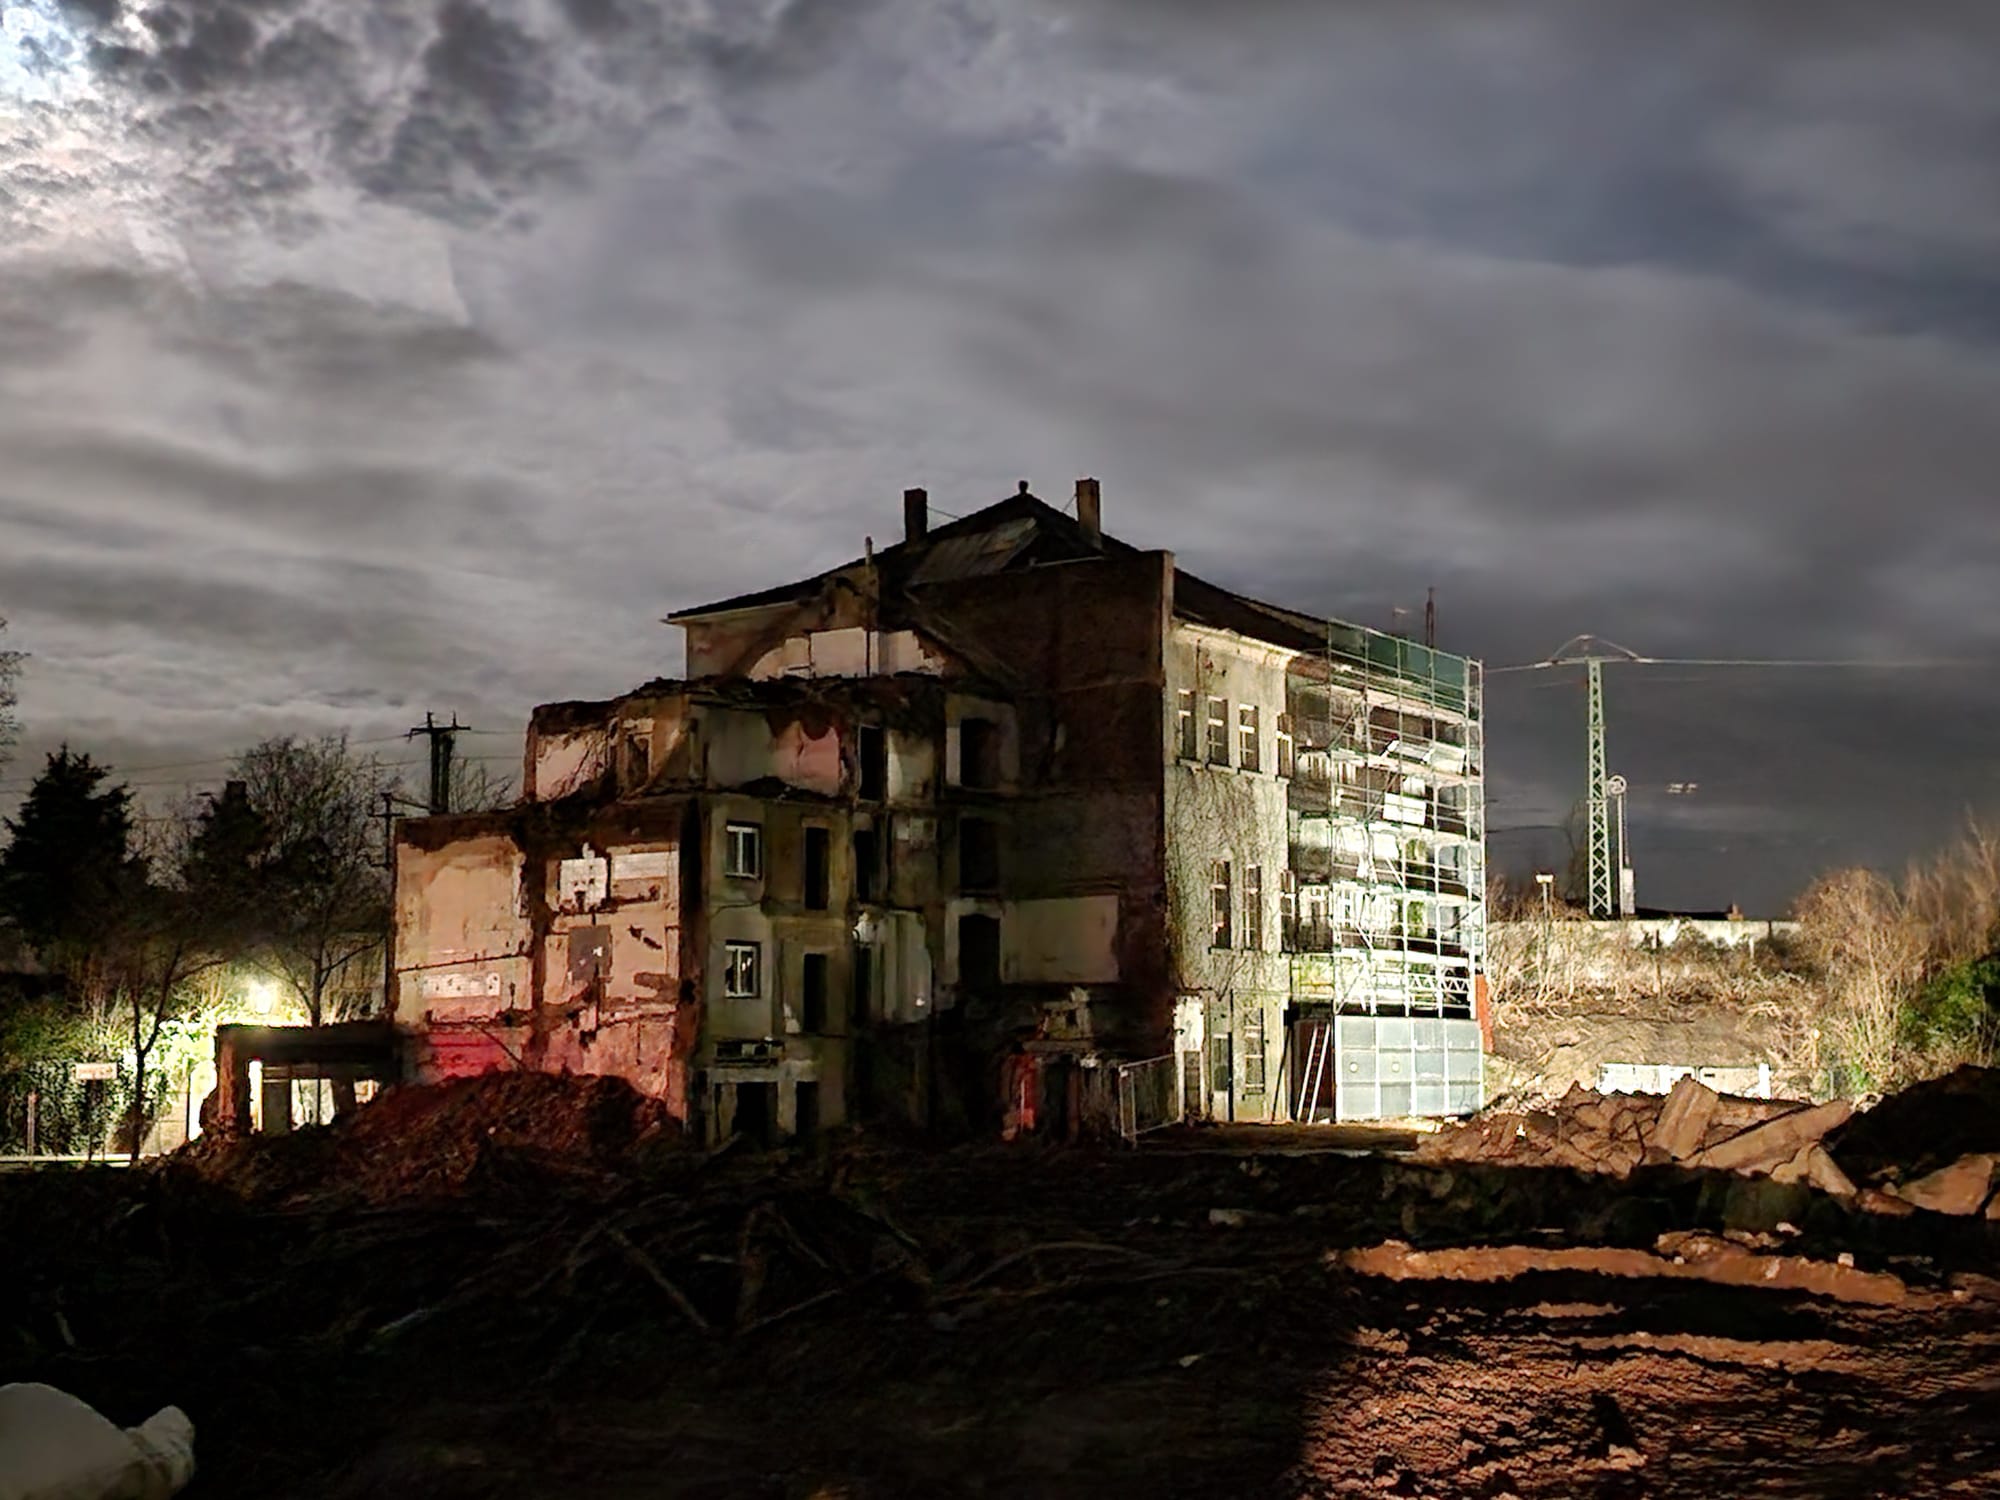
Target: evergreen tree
x: 69, y: 860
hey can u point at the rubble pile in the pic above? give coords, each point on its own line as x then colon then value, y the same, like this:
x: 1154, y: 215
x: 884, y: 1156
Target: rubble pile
x: 416, y: 1141
x: 1935, y: 1146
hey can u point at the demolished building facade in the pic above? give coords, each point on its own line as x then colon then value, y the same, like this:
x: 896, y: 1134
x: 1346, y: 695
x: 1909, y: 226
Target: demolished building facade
x: 1008, y: 826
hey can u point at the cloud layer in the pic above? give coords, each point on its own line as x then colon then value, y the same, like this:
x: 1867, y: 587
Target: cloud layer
x: 357, y: 359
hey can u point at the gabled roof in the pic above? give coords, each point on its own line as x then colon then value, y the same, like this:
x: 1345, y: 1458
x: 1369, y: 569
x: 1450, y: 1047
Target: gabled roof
x: 1019, y: 531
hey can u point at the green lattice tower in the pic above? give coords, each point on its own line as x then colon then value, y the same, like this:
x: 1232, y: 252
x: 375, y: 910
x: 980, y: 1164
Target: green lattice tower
x: 1601, y: 897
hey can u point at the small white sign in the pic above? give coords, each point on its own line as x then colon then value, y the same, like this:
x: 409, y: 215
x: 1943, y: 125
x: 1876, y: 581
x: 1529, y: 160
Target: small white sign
x: 94, y: 1072
x: 650, y: 865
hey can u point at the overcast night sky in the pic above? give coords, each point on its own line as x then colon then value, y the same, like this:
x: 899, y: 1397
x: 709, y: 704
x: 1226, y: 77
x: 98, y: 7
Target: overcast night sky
x: 363, y: 357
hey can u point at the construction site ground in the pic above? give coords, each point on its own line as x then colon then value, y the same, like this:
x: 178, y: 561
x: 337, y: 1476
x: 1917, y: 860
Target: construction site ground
x: 1199, y: 1317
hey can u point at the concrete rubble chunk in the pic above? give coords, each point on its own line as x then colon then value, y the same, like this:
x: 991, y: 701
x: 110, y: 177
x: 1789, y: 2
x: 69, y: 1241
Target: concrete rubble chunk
x: 1824, y: 1173
x: 1961, y: 1188
x: 1765, y: 1146
x: 1684, y: 1118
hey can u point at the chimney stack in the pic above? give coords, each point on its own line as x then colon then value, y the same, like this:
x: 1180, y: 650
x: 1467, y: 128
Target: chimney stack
x: 916, y: 515
x: 1090, y: 511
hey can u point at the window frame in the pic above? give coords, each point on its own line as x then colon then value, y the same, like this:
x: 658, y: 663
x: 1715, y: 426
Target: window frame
x: 1253, y: 908
x: 1249, y: 738
x: 1217, y: 745
x: 1187, y: 744
x: 733, y: 951
x: 730, y: 869
x: 1287, y: 754
x: 1221, y: 905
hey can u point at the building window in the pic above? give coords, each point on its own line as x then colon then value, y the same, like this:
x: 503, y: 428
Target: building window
x: 637, y: 762
x: 1253, y: 1052
x: 861, y: 999
x: 1284, y: 765
x: 978, y: 754
x: 1253, y: 908
x: 818, y: 841
x: 1220, y: 1073
x: 1219, y: 904
x: 1246, y: 736
x: 1184, y: 726
x: 1218, y: 731
x: 978, y: 952
x: 978, y: 854
x: 872, y: 750
x: 743, y: 855
x: 1288, y: 911
x: 741, y: 976
x: 867, y: 864
x: 812, y: 993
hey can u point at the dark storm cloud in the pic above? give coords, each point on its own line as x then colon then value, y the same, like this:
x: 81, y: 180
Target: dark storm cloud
x: 1676, y: 324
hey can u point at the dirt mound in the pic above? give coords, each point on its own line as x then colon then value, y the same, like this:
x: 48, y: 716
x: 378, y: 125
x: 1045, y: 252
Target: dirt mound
x: 1923, y: 1128
x: 431, y: 1140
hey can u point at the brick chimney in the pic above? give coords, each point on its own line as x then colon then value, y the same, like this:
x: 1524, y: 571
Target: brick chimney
x: 1090, y: 511
x: 916, y: 515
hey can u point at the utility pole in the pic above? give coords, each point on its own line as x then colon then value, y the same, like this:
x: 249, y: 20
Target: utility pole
x: 1431, y: 620
x: 441, y: 737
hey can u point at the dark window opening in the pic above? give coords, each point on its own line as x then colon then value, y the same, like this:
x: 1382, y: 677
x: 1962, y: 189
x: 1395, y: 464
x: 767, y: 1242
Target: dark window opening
x: 872, y: 749
x: 979, y: 753
x: 978, y: 854
x: 756, y: 1112
x: 979, y: 952
x: 638, y: 762
x: 816, y: 861
x: 805, y: 1111
x: 867, y: 864
x: 862, y: 1000
x: 812, y: 993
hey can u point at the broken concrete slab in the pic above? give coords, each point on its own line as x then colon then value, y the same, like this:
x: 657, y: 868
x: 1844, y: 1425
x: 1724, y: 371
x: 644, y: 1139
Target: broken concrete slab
x: 1961, y: 1188
x: 1684, y: 1118
x: 1762, y: 1147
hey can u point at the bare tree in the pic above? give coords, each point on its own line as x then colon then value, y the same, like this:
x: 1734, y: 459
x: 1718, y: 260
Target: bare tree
x: 476, y: 789
x: 321, y: 890
x: 159, y: 939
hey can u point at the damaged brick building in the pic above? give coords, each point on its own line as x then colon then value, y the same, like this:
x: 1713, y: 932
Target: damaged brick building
x: 1010, y: 825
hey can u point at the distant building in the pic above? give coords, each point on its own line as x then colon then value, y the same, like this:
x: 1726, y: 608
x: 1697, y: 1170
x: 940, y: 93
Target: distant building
x: 958, y: 832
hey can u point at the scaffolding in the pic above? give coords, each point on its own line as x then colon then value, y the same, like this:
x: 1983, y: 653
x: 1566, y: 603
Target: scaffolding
x: 1385, y: 905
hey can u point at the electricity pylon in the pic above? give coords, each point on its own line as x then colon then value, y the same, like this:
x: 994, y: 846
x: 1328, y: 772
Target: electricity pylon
x: 1592, y: 652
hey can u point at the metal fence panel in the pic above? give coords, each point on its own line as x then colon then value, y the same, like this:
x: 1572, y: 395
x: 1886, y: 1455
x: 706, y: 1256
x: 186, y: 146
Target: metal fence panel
x: 1149, y: 1095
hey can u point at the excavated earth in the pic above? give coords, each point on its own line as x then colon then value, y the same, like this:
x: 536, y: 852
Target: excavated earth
x: 604, y: 1311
